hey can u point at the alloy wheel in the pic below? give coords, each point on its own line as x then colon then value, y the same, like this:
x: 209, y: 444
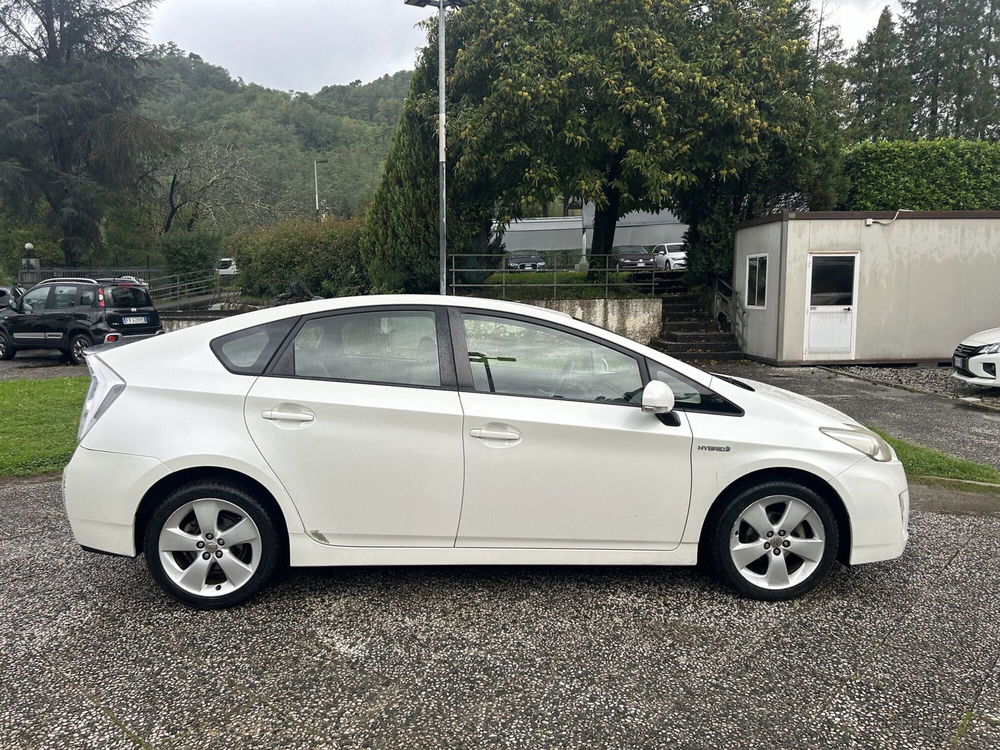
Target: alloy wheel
x: 209, y: 547
x: 777, y: 542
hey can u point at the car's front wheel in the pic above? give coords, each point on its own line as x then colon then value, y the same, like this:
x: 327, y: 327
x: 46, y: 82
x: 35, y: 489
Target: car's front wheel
x: 773, y: 541
x: 211, y: 545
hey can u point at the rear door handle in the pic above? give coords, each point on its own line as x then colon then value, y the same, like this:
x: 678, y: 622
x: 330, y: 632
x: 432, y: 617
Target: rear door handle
x: 286, y: 416
x: 484, y: 434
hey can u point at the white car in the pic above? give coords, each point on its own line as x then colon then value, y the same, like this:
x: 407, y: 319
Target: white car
x: 413, y: 430
x: 671, y: 256
x: 977, y: 359
x: 227, y: 267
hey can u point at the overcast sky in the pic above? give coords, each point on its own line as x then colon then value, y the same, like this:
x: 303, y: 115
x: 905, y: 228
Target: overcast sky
x: 307, y: 44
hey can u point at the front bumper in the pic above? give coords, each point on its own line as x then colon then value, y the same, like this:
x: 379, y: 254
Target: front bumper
x: 877, y: 498
x: 102, y: 492
x: 980, y: 369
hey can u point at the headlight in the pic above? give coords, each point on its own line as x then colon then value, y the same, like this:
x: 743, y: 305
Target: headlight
x: 990, y: 349
x: 862, y: 440
x: 105, y: 386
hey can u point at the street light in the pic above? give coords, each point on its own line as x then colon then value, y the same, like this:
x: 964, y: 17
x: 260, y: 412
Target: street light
x: 316, y: 163
x: 441, y: 5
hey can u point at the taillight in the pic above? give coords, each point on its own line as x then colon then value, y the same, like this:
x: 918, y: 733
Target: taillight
x: 100, y: 298
x: 106, y: 385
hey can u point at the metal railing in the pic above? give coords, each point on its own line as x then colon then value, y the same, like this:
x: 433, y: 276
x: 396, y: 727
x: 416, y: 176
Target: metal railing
x: 510, y: 277
x: 31, y: 276
x: 202, y: 288
x: 729, y: 311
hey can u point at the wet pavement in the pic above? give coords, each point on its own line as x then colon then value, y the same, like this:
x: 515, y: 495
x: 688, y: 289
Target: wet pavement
x: 893, y: 655
x: 39, y: 364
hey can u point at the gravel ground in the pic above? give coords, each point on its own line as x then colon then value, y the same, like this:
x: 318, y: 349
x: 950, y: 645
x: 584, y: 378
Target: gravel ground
x: 40, y: 364
x: 950, y: 425
x: 894, y: 655
x: 934, y: 379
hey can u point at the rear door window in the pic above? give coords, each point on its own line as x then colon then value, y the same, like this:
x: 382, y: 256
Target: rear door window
x: 63, y: 297
x: 128, y: 296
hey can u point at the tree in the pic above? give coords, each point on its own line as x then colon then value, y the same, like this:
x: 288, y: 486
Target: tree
x: 69, y: 86
x: 881, y: 85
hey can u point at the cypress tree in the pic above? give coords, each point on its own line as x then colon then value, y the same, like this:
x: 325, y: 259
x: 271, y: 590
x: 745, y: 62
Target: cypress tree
x: 881, y: 85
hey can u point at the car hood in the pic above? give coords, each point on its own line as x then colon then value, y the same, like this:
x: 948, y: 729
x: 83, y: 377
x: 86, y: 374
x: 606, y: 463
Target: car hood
x: 819, y: 411
x: 992, y: 336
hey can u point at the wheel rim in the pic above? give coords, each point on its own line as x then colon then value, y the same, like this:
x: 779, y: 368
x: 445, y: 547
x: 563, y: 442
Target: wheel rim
x: 209, y: 547
x: 777, y: 542
x: 79, y: 344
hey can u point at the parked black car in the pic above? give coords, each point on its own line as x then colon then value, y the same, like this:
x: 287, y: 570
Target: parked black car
x: 73, y: 314
x: 525, y: 260
x: 634, y: 257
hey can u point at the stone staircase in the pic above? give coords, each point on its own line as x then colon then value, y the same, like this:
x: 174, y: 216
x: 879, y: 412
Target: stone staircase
x: 689, y: 332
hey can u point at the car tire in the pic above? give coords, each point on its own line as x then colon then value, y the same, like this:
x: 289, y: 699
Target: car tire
x: 7, y: 350
x: 667, y: 266
x: 78, y: 343
x: 199, y: 567
x: 772, y: 541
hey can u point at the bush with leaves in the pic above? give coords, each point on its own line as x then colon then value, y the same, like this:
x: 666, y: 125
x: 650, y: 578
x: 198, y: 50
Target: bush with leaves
x: 324, y: 256
x: 946, y: 174
x: 186, y: 252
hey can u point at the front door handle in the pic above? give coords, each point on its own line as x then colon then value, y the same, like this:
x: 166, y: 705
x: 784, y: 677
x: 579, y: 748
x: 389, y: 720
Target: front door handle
x: 286, y: 416
x: 485, y: 434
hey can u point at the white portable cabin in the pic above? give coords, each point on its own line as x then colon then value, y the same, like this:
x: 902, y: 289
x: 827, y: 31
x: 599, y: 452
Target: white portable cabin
x: 864, y: 287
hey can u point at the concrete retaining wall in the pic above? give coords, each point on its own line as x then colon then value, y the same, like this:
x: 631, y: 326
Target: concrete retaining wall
x: 639, y: 319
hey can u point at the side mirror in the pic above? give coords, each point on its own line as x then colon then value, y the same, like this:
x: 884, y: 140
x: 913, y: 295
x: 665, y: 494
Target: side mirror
x: 657, y: 398
x: 661, y: 251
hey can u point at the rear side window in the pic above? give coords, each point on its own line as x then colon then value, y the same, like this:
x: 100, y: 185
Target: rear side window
x: 88, y: 296
x: 127, y: 296
x: 64, y: 297
x: 248, y: 352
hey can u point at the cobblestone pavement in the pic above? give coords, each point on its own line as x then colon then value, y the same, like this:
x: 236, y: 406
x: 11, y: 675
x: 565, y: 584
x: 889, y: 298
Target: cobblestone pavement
x: 947, y: 424
x: 893, y: 655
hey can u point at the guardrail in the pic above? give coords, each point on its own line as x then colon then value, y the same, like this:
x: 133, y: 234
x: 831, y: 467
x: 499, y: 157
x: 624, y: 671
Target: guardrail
x: 508, y: 277
x: 31, y: 276
x: 196, y: 287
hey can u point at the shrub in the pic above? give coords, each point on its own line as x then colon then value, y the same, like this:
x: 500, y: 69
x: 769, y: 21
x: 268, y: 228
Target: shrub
x: 324, y: 256
x: 185, y: 252
x: 946, y: 174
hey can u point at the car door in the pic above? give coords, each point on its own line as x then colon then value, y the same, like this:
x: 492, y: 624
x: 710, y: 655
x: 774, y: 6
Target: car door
x: 61, y: 313
x: 361, y: 422
x: 558, y: 452
x: 28, y: 325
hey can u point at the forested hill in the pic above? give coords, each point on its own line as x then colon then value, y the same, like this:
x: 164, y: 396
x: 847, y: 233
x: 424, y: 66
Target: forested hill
x: 258, y: 135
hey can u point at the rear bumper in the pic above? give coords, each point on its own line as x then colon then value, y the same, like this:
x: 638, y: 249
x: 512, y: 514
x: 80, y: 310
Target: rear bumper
x: 102, y: 492
x: 121, y: 338
x: 877, y: 497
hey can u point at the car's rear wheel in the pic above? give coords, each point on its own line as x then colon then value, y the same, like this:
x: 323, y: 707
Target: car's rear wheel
x: 78, y: 344
x: 773, y: 541
x: 211, y: 545
x: 7, y: 350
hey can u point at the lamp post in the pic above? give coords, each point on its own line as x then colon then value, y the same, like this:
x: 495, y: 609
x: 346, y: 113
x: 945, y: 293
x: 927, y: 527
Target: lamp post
x: 442, y: 5
x: 316, y: 163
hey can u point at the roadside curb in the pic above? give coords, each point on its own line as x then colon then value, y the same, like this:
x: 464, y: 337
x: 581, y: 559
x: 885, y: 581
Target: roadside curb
x: 910, y: 388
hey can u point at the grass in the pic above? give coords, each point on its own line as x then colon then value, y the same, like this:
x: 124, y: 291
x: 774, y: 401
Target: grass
x: 927, y: 462
x: 38, y: 422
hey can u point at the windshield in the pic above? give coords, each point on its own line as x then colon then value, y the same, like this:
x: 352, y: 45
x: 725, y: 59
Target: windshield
x: 127, y: 296
x: 631, y: 250
x: 524, y: 254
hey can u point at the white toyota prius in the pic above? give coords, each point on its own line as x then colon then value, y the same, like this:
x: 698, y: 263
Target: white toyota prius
x: 411, y: 430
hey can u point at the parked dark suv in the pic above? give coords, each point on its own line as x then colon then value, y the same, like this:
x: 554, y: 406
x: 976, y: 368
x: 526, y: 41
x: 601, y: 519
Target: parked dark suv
x: 72, y: 314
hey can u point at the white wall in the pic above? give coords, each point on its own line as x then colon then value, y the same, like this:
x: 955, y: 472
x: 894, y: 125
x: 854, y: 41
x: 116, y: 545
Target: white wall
x: 761, y: 325
x: 639, y: 319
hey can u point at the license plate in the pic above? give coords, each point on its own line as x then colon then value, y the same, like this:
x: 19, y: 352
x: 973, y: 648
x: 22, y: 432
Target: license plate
x: 958, y: 362
x: 133, y: 319
x: 641, y: 265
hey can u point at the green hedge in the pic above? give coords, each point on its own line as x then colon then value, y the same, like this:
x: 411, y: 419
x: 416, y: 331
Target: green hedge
x: 324, y: 256
x: 939, y: 175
